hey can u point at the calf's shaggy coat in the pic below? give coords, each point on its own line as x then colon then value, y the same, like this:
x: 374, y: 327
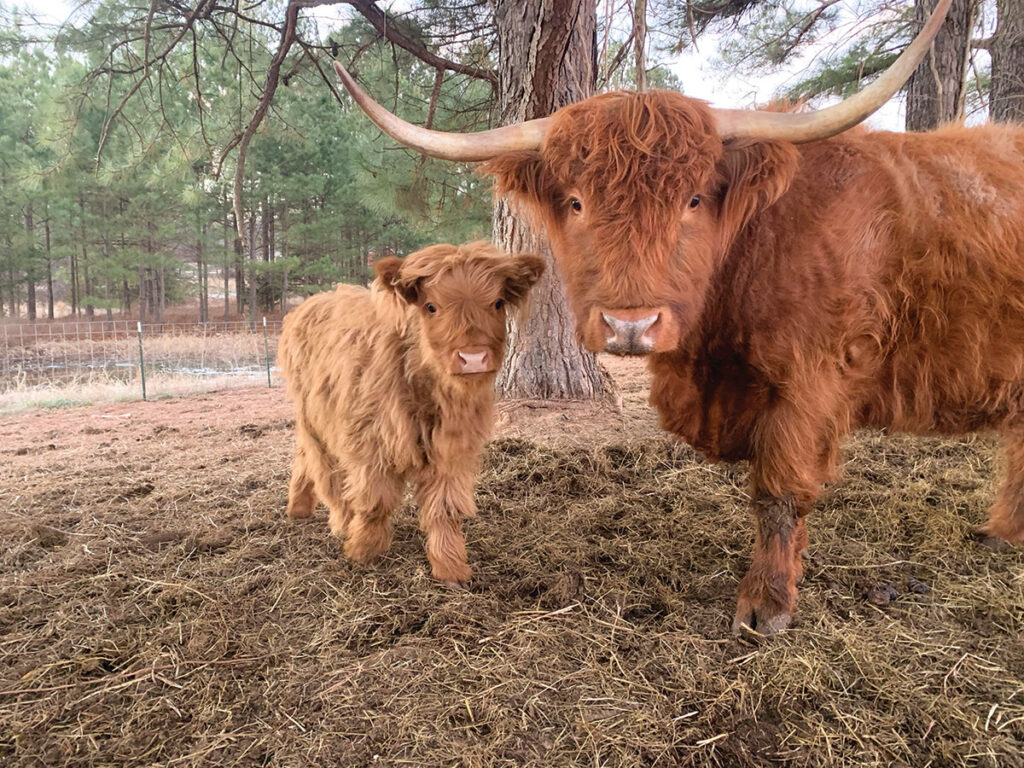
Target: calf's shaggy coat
x: 396, y: 384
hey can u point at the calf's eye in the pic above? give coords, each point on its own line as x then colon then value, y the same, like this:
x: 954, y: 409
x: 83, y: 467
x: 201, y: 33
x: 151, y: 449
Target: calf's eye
x: 576, y: 205
x: 499, y: 304
x: 695, y: 201
x: 431, y: 308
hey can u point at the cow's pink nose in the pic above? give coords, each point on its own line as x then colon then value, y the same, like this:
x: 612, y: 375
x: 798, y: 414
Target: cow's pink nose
x: 473, y: 360
x: 631, y: 335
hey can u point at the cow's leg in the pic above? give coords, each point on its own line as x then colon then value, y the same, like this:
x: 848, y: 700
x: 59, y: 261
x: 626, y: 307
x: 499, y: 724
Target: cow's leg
x: 768, y: 593
x: 301, y: 496
x: 796, y: 452
x: 1005, y: 524
x: 445, y: 500
x: 372, y: 497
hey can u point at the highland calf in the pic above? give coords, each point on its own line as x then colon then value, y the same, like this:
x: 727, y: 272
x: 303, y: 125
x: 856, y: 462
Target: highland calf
x: 396, y: 384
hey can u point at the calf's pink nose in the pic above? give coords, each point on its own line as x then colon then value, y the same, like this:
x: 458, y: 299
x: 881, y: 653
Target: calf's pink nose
x: 473, y: 362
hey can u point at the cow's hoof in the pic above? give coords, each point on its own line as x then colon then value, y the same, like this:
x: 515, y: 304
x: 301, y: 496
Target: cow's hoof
x: 299, y: 514
x: 762, y: 622
x: 992, y: 543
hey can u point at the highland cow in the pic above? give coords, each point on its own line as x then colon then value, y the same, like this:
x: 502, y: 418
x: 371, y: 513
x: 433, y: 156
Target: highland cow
x: 396, y: 384
x: 789, y: 279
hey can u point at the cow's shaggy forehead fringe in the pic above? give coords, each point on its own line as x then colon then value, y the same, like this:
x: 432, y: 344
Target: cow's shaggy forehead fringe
x: 647, y: 153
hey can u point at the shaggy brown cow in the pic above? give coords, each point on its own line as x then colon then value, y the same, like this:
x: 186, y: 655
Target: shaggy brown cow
x: 786, y: 294
x: 396, y: 384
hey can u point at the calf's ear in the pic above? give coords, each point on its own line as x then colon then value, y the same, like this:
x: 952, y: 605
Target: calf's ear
x: 389, y: 273
x: 524, y: 271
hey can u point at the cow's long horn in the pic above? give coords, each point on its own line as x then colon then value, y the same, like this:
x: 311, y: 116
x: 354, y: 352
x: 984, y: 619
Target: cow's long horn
x: 800, y: 127
x: 448, y: 146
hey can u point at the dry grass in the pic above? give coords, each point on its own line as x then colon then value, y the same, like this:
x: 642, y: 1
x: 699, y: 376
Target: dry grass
x: 158, y: 609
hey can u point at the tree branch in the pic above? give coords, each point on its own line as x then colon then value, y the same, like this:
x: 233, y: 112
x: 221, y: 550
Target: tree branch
x: 384, y: 24
x: 273, y: 76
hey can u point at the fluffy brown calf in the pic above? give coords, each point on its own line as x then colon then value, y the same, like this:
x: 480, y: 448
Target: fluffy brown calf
x: 396, y: 384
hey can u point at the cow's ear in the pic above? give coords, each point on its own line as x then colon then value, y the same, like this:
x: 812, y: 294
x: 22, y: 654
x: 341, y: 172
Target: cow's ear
x: 752, y: 175
x: 524, y: 271
x: 389, y: 273
x: 521, y: 177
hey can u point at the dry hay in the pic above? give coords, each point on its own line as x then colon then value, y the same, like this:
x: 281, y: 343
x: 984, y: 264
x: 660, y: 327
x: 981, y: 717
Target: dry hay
x: 158, y: 609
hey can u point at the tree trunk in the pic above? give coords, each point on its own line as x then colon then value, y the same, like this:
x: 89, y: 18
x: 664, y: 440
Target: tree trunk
x: 227, y: 268
x: 30, y: 267
x: 239, y: 271
x: 936, y: 91
x: 73, y: 268
x: 251, y: 245
x: 639, y: 42
x: 142, y: 293
x: 547, y: 60
x: 201, y: 277
x: 162, y: 297
x: 1007, y: 49
x: 49, y: 264
x: 90, y: 310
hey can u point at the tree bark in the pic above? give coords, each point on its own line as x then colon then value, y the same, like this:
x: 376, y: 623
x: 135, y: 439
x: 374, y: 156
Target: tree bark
x: 936, y: 91
x: 547, y: 51
x: 1007, y: 49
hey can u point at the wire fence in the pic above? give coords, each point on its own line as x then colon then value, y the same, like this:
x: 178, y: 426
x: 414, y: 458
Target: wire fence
x: 42, y: 363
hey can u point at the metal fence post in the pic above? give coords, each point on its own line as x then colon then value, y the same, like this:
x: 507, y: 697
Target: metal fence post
x: 266, y: 349
x: 142, y: 363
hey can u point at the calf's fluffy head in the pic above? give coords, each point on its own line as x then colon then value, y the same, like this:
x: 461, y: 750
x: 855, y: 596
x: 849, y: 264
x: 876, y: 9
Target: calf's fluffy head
x: 461, y: 295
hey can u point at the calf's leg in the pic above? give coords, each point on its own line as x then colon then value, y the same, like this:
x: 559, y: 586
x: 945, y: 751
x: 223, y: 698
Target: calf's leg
x: 372, y: 497
x: 1005, y: 524
x: 301, y: 496
x: 445, y: 500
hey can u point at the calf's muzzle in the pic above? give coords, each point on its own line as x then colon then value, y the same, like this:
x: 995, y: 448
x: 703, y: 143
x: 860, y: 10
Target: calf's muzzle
x: 474, y: 360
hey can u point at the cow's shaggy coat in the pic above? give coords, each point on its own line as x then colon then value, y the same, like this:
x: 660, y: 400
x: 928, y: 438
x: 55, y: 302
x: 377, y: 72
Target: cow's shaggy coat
x: 396, y: 384
x: 788, y: 294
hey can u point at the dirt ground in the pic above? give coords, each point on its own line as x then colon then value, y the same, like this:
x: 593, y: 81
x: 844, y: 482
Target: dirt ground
x: 158, y: 609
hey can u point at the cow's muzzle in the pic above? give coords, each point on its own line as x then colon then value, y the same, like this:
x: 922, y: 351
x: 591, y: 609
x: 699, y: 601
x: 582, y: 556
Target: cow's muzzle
x: 634, y: 331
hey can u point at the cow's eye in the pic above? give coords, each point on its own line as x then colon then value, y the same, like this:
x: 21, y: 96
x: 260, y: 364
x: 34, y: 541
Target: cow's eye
x: 499, y: 304
x: 576, y: 205
x: 431, y: 308
x: 695, y: 201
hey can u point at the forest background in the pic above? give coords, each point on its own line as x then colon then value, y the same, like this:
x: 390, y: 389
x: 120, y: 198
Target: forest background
x: 162, y: 152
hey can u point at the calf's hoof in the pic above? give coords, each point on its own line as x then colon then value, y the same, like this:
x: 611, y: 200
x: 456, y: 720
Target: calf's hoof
x: 762, y: 620
x: 295, y: 513
x: 366, y: 547
x: 455, y: 575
